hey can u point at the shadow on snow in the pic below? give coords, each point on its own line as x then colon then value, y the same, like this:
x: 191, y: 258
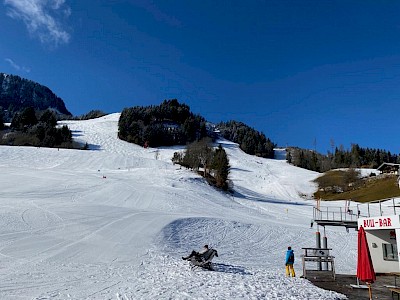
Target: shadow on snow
x: 230, y: 269
x: 253, y: 196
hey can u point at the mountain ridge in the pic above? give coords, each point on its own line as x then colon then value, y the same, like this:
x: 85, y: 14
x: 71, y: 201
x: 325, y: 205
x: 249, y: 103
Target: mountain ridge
x: 17, y: 93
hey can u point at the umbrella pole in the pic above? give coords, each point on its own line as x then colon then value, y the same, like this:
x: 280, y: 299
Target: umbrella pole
x: 369, y: 291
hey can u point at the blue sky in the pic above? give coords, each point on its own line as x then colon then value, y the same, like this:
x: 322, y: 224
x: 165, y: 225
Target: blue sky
x: 306, y: 73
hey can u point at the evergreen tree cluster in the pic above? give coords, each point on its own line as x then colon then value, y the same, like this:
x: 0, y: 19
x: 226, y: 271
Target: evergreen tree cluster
x: 1, y: 120
x: 17, y: 93
x: 250, y: 140
x: 214, y: 162
x: 30, y: 128
x: 93, y: 114
x: 169, y: 123
x: 356, y: 157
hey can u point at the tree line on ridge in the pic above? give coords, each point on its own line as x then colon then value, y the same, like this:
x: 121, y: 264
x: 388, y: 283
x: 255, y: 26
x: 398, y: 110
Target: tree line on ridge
x: 356, y: 157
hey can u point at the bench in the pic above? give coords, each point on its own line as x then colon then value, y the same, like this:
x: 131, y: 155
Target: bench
x: 318, y: 255
x: 395, y: 291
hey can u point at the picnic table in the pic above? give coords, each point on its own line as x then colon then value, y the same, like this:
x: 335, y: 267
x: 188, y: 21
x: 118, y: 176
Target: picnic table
x: 318, y: 255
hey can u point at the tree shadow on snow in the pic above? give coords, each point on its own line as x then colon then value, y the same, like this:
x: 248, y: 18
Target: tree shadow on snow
x: 230, y: 269
x: 76, y: 133
x: 89, y: 146
x: 254, y: 196
x: 94, y: 147
x: 240, y: 169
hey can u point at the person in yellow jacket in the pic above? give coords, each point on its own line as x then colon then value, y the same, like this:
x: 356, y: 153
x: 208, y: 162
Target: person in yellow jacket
x: 289, y: 262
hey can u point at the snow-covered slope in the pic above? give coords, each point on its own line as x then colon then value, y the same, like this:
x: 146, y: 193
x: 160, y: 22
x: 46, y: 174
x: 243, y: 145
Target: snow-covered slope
x: 113, y: 223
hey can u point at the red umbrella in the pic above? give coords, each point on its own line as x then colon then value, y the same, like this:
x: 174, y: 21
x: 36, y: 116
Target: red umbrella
x: 365, y: 269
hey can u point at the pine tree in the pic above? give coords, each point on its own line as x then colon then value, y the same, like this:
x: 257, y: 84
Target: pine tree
x: 220, y: 165
x: 49, y: 118
x: 1, y: 120
x: 24, y: 119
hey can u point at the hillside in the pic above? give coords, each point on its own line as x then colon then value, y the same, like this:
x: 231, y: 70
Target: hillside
x: 364, y: 189
x: 17, y: 93
x: 113, y: 223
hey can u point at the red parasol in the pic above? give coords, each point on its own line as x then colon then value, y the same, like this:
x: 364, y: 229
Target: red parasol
x: 365, y: 269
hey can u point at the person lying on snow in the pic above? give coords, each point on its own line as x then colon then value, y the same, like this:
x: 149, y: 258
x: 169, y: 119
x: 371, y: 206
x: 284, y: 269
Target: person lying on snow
x: 197, y: 255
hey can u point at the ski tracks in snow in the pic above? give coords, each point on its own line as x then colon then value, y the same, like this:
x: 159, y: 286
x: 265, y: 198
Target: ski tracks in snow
x: 113, y: 223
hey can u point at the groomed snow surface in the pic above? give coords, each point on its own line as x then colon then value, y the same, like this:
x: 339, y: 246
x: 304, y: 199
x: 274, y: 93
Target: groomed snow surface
x: 113, y: 223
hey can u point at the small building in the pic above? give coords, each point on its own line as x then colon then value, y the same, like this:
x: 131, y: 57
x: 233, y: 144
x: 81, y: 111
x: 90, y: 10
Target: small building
x: 389, y: 168
x: 381, y: 222
x: 382, y: 232
x: 381, y: 235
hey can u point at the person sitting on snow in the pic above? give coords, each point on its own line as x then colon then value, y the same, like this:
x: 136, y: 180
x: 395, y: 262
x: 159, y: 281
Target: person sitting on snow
x: 196, y: 255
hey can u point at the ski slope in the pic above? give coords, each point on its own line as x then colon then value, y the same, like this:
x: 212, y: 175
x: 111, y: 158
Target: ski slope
x: 113, y: 223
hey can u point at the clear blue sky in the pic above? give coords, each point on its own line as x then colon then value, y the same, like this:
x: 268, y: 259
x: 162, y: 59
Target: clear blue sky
x: 306, y: 73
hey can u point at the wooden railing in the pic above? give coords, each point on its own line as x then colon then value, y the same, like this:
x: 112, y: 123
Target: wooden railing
x: 334, y: 214
x: 383, y: 207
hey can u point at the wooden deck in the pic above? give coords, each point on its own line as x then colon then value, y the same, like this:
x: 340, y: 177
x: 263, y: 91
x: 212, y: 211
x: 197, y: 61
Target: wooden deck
x: 380, y: 290
x: 335, y: 216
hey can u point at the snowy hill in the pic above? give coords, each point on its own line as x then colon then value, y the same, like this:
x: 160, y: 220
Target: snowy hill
x: 113, y: 223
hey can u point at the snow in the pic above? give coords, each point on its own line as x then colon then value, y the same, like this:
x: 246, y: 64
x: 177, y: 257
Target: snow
x: 113, y: 223
x: 364, y: 172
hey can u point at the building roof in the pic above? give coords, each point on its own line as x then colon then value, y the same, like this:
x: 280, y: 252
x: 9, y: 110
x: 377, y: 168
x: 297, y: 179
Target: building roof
x: 388, y: 165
